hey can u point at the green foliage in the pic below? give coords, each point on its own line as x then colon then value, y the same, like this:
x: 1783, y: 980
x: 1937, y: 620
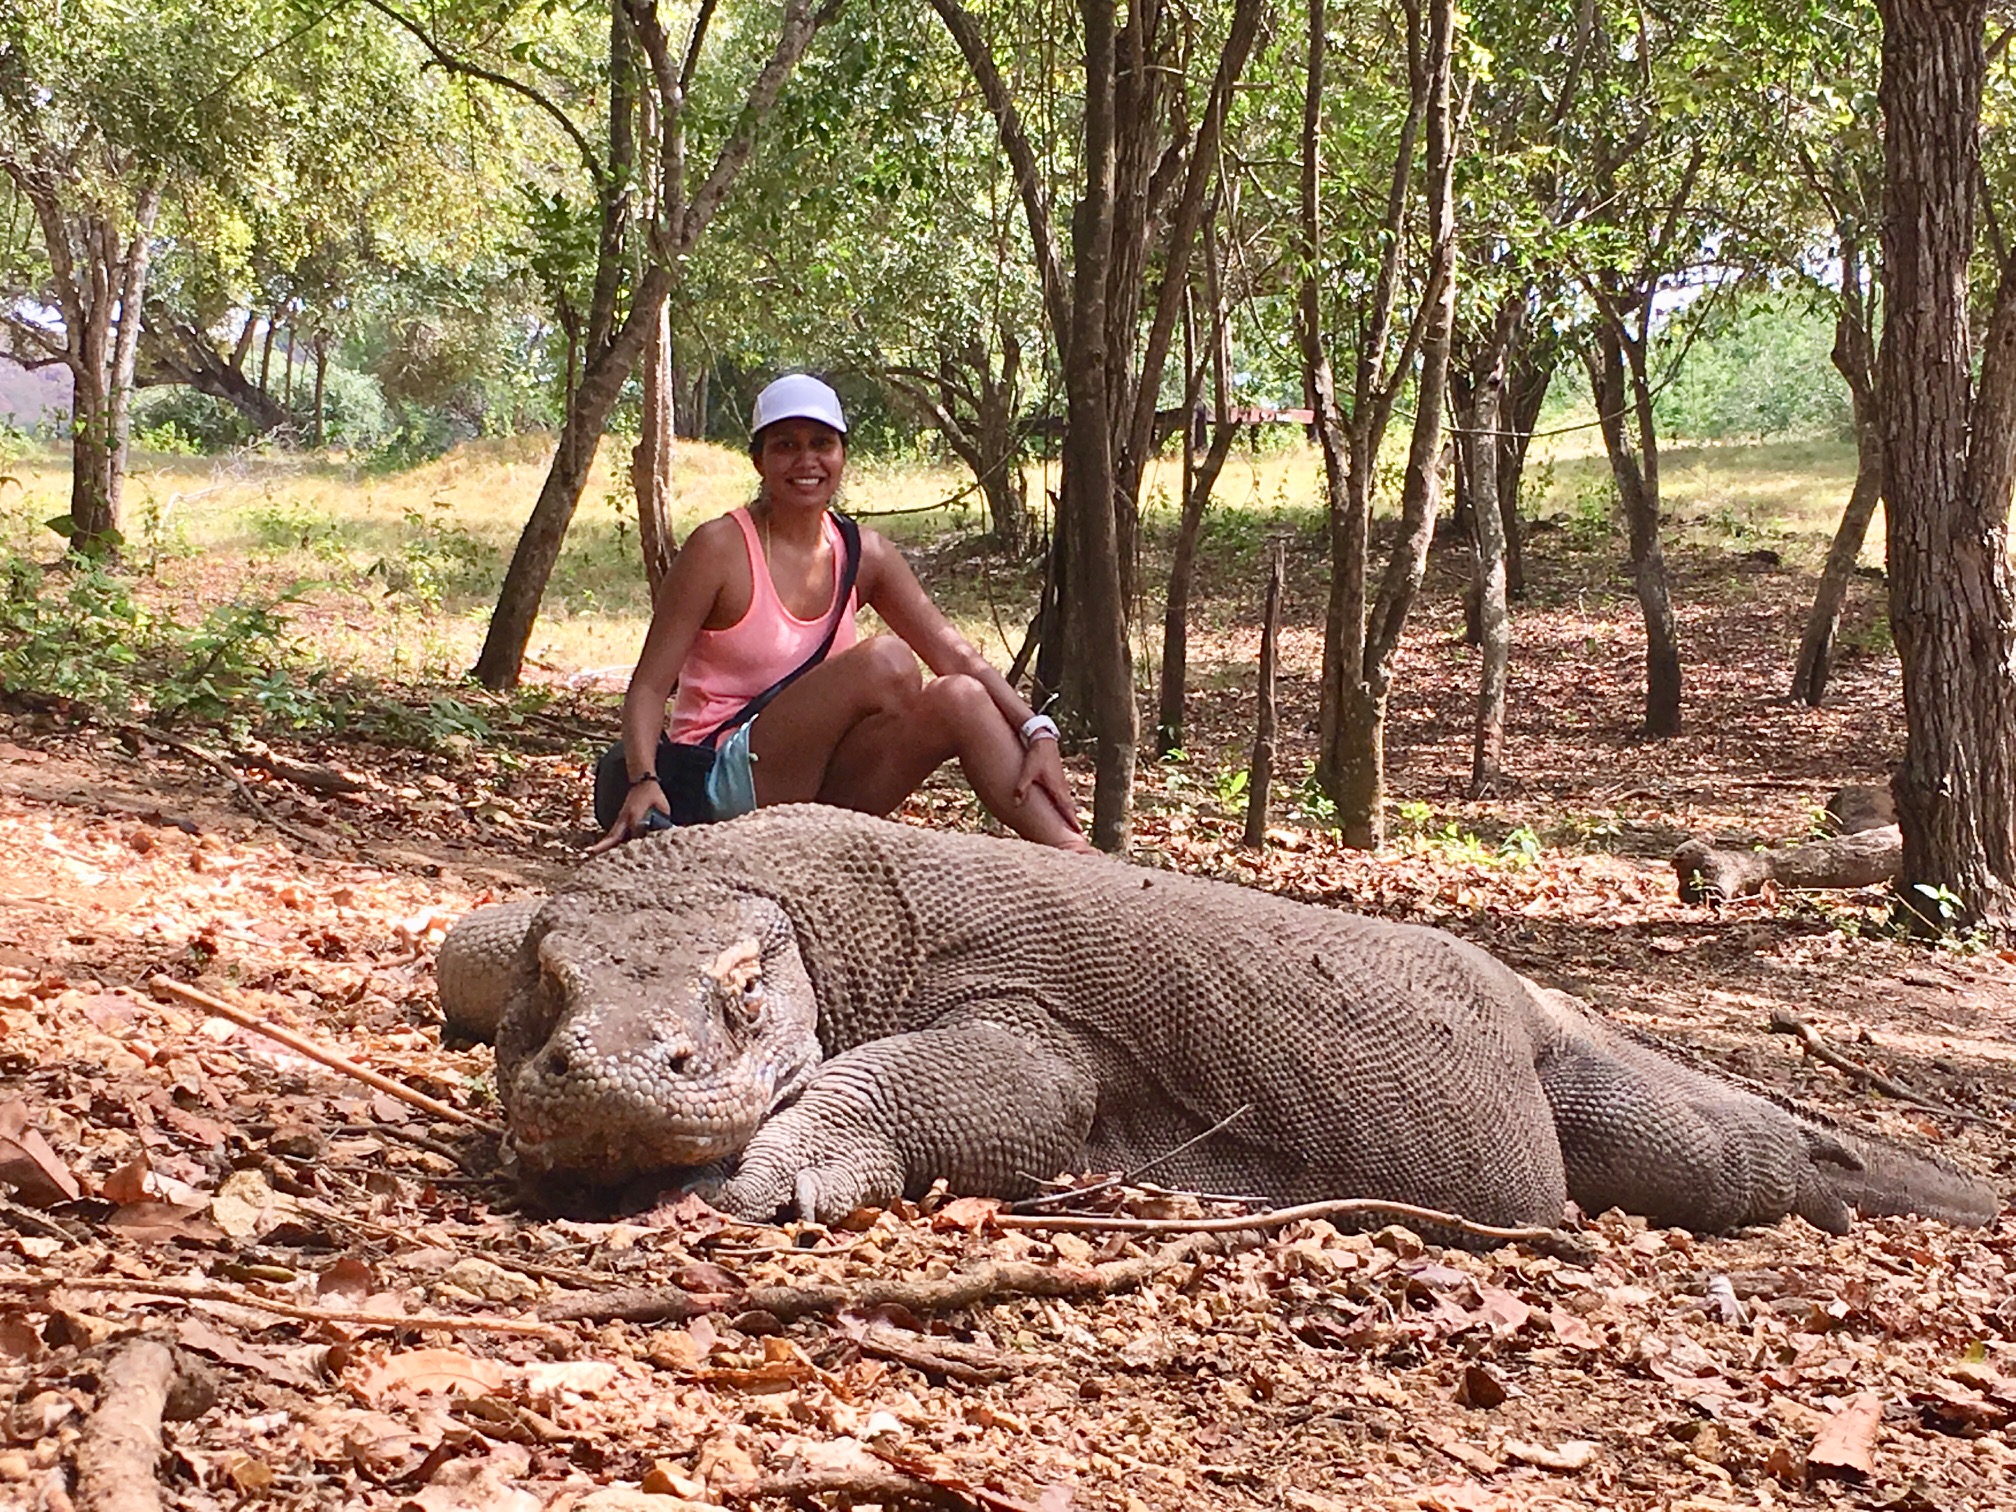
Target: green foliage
x: 78, y: 634
x: 1759, y: 369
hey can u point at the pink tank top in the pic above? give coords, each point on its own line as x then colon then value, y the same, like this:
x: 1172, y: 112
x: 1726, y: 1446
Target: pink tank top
x: 727, y: 668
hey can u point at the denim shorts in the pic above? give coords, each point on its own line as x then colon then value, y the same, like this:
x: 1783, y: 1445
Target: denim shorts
x: 731, y: 785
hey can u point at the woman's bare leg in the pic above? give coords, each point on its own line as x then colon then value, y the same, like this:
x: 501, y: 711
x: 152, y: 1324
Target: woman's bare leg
x: 862, y: 731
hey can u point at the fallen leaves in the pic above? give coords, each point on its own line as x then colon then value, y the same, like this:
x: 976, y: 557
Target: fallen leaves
x: 1845, y: 1449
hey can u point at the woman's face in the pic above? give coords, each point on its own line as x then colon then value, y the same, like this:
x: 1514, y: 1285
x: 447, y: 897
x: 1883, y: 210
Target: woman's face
x: 800, y: 462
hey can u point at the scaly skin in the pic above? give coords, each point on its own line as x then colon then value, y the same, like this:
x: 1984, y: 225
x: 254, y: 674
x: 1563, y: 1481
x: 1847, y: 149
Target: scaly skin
x: 850, y: 1009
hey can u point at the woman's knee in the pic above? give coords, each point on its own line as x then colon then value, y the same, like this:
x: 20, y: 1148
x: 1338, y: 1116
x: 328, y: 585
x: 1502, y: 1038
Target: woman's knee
x: 889, y: 674
x: 956, y: 703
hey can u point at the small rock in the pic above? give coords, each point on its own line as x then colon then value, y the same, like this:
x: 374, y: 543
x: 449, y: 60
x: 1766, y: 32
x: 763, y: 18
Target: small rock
x: 493, y: 1283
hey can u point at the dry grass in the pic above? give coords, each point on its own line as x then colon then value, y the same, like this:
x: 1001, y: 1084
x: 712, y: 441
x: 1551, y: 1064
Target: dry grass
x: 401, y: 568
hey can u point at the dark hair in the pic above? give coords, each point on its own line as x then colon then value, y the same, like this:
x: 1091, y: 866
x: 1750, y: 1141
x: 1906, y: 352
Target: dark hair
x: 756, y: 440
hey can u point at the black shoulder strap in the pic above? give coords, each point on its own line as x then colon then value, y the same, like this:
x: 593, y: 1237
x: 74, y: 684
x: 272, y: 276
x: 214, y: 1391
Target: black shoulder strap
x: 850, y: 569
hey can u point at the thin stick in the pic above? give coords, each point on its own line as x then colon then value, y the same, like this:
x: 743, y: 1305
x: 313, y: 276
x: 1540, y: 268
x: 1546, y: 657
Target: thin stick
x: 1784, y: 1021
x: 197, y: 1292
x: 315, y: 1052
x: 1128, y: 1178
x: 1277, y: 1218
x: 239, y: 785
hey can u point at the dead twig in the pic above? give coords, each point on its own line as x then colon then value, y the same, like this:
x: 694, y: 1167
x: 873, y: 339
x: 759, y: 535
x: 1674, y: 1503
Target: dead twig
x: 1278, y: 1217
x: 144, y: 1382
x: 238, y: 784
x: 1784, y: 1021
x: 195, y: 1291
x: 988, y: 1281
x: 1130, y: 1178
x: 302, y: 1046
x: 28, y: 1220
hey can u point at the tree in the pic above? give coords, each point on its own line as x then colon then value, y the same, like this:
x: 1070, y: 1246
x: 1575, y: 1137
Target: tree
x: 611, y: 336
x: 94, y: 123
x: 1143, y: 181
x: 1950, y: 464
x: 1362, y: 631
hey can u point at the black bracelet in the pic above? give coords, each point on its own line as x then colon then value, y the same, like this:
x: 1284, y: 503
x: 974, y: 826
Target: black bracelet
x: 647, y: 777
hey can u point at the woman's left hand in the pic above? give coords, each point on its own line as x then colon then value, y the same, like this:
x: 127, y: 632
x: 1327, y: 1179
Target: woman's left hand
x: 1043, y: 772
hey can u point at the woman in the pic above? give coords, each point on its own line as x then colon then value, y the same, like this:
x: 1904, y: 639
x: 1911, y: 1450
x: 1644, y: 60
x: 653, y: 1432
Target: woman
x: 751, y: 598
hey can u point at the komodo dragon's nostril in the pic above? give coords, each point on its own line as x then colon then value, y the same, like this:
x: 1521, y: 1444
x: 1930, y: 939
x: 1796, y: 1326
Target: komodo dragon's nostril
x: 678, y: 1060
x: 554, y: 1062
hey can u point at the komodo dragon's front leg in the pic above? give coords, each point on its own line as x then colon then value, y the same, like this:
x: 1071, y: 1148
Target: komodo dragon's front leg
x: 987, y: 1108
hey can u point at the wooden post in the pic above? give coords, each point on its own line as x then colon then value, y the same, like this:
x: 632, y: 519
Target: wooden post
x: 1262, y: 774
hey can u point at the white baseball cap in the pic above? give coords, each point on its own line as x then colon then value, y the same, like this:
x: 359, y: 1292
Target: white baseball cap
x: 798, y: 396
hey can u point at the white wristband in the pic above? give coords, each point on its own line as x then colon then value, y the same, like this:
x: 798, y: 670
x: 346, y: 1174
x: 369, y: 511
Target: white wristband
x: 1038, y: 727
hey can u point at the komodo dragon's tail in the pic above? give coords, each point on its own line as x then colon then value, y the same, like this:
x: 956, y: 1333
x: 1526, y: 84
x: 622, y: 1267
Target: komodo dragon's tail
x: 1879, y: 1179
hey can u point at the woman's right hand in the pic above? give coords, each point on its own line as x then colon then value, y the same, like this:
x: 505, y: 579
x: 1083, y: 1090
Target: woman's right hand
x: 632, y: 819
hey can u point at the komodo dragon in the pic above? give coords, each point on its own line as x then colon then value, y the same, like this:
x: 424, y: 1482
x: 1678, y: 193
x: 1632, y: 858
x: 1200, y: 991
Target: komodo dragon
x: 847, y: 1009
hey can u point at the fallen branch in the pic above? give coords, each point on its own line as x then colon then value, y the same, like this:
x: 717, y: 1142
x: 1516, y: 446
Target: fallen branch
x: 1784, y: 1021
x: 196, y: 1291
x: 29, y: 1221
x: 317, y: 779
x: 1279, y: 1217
x: 121, y: 1447
x: 988, y: 1281
x: 1863, y: 859
x: 238, y: 784
x: 878, y: 1483
x: 301, y: 1046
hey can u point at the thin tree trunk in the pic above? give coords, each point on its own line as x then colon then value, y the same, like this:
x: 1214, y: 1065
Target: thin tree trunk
x: 651, y: 457
x: 321, y: 389
x: 1480, y: 447
x: 607, y: 359
x: 1855, y: 355
x: 1816, y: 648
x: 101, y: 359
x: 1624, y: 407
x: 1948, y: 460
x: 1361, y: 765
x: 1182, y: 570
x: 1526, y: 387
x: 602, y: 379
x: 1260, y: 778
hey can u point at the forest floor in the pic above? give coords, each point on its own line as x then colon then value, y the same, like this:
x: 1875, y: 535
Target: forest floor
x: 386, y: 1330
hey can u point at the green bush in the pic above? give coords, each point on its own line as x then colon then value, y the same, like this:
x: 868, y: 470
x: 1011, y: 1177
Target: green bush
x: 1759, y: 367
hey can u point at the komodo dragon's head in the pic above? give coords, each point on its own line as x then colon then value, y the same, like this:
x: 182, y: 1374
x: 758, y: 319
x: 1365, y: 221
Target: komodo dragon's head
x: 646, y: 1035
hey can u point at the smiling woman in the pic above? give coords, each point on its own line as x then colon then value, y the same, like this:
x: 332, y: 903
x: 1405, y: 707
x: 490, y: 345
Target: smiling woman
x: 756, y: 618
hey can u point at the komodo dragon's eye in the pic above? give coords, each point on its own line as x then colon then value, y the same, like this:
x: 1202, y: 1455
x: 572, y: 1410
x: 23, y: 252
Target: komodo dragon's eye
x: 752, y: 995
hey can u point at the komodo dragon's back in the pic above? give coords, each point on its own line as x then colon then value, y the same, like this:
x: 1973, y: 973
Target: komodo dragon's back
x: 848, y: 1009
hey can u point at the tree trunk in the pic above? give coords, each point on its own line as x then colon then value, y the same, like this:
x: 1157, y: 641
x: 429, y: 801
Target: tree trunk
x: 1480, y: 410
x: 1948, y: 460
x: 101, y: 359
x: 1094, y: 607
x: 602, y: 379
x: 612, y: 346
x: 1260, y: 778
x: 651, y: 457
x: 1624, y: 408
x: 1855, y: 356
x: 1182, y: 569
x: 1809, y: 675
x: 1526, y: 387
x: 321, y: 390
x: 1361, y: 799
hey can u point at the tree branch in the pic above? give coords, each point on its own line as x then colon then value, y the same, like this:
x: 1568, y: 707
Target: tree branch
x: 1022, y: 157
x: 519, y: 87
